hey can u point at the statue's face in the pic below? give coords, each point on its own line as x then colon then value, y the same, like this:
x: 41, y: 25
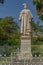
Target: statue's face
x: 25, y: 6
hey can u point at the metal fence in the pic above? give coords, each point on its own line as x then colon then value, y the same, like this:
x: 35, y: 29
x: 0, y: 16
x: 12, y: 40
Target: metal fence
x: 13, y: 58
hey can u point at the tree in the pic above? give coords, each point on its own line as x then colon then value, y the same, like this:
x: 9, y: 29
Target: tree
x: 9, y: 31
x: 37, y: 30
x: 37, y: 37
x: 39, y: 8
x: 2, y: 1
x: 9, y: 34
x: 36, y: 27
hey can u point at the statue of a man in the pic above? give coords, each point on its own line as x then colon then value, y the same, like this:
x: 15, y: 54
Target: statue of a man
x: 25, y: 18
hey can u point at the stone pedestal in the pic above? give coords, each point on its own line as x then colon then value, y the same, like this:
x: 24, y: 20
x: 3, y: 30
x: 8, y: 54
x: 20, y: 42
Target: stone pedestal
x: 25, y: 49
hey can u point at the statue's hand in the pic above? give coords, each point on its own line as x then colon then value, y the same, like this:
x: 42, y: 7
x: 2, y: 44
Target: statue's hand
x: 19, y: 19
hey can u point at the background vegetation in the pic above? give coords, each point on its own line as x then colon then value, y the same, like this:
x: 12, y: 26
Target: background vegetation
x: 10, y: 31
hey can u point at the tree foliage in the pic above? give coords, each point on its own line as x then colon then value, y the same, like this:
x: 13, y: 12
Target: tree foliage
x: 9, y: 31
x: 37, y: 38
x: 37, y: 32
x: 2, y: 1
x: 39, y: 8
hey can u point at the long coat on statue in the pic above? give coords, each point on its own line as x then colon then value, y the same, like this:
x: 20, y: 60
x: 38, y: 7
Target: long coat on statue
x: 25, y: 18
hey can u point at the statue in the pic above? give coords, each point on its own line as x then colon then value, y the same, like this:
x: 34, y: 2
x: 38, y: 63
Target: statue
x: 25, y: 18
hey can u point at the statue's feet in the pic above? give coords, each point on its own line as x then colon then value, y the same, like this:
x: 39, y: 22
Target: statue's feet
x: 27, y: 34
x: 21, y: 33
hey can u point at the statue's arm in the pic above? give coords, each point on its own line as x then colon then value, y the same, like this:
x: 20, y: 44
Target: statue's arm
x: 31, y: 16
x: 20, y: 16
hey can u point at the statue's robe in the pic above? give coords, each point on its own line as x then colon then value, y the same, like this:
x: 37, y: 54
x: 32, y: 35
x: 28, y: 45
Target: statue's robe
x: 25, y: 17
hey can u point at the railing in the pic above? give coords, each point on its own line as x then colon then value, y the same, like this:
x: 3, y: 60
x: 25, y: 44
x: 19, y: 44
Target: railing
x: 13, y: 58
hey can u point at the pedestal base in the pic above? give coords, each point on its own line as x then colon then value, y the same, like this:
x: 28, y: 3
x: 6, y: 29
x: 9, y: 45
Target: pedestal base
x: 25, y: 50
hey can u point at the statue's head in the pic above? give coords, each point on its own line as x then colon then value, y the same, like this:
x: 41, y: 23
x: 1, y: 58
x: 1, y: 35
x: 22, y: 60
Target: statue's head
x: 24, y: 5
